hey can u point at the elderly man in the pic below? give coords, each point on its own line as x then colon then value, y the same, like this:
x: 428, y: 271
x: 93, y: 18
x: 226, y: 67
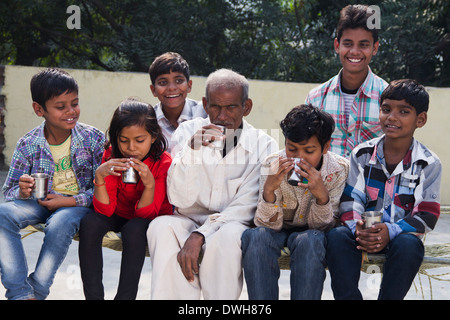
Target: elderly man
x: 213, y: 183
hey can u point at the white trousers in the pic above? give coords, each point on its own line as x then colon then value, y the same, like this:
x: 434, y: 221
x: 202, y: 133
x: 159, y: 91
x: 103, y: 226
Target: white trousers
x: 220, y: 275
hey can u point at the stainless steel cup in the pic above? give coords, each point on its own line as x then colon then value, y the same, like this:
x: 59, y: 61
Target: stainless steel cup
x: 295, y: 178
x: 220, y: 144
x: 130, y: 176
x: 371, y: 217
x: 40, y: 189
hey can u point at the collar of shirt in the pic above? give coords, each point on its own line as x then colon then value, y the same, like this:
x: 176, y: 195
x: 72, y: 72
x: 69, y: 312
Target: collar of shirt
x: 365, y: 87
x: 416, y: 153
x: 186, y: 113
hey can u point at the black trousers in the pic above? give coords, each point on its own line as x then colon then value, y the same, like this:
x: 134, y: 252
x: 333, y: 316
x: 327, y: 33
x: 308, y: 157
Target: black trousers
x: 134, y: 240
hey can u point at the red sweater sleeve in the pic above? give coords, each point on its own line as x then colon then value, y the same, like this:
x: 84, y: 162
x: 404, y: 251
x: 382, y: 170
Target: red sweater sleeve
x: 112, y: 184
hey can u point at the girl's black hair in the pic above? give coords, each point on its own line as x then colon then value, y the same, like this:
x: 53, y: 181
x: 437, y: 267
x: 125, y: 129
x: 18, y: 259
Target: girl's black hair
x: 132, y: 112
x: 305, y: 121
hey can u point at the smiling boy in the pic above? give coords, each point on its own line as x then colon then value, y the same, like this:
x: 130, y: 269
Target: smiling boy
x: 169, y: 74
x: 352, y: 96
x: 69, y: 152
x: 398, y: 176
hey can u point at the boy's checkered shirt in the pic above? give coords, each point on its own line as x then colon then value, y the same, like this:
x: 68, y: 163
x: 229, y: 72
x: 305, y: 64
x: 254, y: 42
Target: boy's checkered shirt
x: 363, y: 121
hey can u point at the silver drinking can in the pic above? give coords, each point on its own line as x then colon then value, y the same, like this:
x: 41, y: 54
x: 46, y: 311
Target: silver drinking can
x: 40, y: 189
x: 130, y: 175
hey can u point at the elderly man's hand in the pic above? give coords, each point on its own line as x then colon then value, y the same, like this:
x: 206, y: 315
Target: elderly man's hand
x: 189, y: 254
x: 205, y: 136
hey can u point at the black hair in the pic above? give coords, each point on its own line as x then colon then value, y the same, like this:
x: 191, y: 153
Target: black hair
x: 166, y: 63
x: 409, y: 90
x: 305, y: 121
x: 50, y: 83
x: 353, y: 17
x: 133, y: 112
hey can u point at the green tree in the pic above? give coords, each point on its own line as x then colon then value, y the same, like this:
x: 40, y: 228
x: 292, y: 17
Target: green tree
x: 286, y: 40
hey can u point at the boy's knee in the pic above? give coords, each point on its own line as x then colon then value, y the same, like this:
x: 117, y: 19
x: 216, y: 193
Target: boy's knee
x: 309, y: 240
x: 407, y: 246
x: 338, y: 234
x: 258, y: 235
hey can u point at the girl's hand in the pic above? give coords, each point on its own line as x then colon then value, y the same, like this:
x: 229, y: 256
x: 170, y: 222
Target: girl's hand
x: 315, y: 183
x: 112, y: 167
x: 278, y: 169
x: 26, y: 183
x: 144, y: 172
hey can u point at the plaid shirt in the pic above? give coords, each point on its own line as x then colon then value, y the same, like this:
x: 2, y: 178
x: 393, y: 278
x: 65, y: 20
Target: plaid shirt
x: 409, y: 197
x: 32, y: 154
x: 363, y: 121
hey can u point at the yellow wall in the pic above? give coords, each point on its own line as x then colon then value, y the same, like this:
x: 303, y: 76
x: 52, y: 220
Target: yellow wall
x: 100, y: 93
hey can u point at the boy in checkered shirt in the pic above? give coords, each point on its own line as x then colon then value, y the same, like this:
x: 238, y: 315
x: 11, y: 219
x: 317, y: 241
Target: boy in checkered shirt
x: 352, y: 96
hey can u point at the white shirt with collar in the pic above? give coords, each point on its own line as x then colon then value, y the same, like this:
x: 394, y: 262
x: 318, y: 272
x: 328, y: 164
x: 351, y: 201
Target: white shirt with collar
x: 192, y: 109
x: 213, y: 190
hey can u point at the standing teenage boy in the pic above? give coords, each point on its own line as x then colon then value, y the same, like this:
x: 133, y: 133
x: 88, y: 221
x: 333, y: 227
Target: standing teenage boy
x: 69, y: 152
x: 170, y: 74
x: 352, y: 96
x: 398, y: 176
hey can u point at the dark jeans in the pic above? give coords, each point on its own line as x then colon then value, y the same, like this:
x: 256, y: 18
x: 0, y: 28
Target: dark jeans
x: 261, y: 248
x: 404, y: 255
x: 134, y: 240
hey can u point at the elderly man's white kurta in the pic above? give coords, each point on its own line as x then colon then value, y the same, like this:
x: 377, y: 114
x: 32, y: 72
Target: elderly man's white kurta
x: 215, y: 196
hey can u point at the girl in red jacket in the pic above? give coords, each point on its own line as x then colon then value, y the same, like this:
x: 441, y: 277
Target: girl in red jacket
x: 135, y: 141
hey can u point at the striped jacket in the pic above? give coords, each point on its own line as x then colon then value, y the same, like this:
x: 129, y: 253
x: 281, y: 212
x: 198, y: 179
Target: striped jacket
x: 363, y: 122
x: 32, y: 154
x: 409, y: 197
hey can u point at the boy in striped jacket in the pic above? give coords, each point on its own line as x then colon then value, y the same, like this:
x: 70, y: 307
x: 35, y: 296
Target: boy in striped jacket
x: 398, y: 176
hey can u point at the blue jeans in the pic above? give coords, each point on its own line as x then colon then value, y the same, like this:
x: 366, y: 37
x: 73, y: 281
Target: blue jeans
x: 404, y: 255
x: 60, y: 227
x: 261, y: 248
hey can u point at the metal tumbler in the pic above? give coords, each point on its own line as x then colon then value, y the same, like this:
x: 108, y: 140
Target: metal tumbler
x: 371, y: 217
x: 130, y: 176
x: 220, y: 144
x: 40, y: 189
x: 295, y: 178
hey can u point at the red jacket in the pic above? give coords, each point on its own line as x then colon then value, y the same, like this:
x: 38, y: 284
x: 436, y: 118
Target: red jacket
x: 124, y: 197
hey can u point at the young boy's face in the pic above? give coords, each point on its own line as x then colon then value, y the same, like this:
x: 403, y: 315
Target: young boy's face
x: 171, y: 89
x: 398, y: 119
x: 309, y: 150
x: 62, y: 111
x: 356, y: 48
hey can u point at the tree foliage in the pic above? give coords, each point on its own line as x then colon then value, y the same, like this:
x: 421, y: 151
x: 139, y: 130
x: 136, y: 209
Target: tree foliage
x: 263, y: 39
